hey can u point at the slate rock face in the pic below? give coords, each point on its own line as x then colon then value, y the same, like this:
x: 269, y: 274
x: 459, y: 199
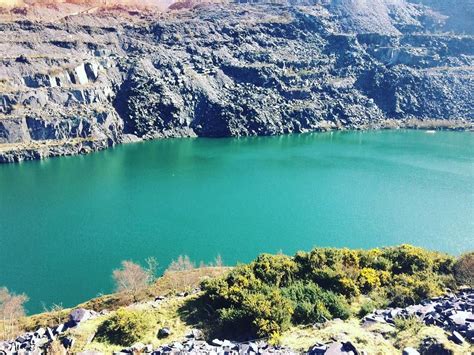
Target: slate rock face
x: 91, y: 81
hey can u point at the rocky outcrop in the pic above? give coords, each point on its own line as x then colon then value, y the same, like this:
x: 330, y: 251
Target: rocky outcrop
x: 453, y: 312
x: 91, y: 81
x: 36, y: 342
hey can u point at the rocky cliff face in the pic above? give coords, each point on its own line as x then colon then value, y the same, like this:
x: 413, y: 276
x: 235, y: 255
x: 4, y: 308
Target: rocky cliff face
x: 89, y: 81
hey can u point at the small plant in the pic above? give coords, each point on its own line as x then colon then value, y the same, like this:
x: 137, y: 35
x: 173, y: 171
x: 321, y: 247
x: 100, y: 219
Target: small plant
x: 366, y: 308
x: 411, y: 324
x: 125, y: 327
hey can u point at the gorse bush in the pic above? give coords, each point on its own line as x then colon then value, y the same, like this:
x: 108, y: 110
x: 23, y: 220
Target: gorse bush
x: 274, y: 291
x: 312, y: 304
x: 125, y: 327
x: 246, y: 302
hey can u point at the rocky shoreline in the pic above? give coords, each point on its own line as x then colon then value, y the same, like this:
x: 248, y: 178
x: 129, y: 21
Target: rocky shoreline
x: 44, y: 151
x: 93, y: 80
x: 454, y: 313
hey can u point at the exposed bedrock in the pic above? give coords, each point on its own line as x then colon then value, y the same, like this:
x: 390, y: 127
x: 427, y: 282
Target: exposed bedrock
x: 91, y: 81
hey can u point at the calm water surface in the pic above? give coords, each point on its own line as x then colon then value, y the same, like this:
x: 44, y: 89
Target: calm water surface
x: 66, y: 223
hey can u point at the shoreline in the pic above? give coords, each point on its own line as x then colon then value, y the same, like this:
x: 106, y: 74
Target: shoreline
x: 40, y: 150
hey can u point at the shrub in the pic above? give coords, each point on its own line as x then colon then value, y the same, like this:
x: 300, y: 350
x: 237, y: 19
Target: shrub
x: 335, y: 281
x: 408, y: 259
x: 315, y: 305
x: 366, y: 308
x: 307, y: 302
x: 270, y: 312
x: 125, y: 327
x: 464, y: 269
x: 369, y: 279
x: 263, y: 313
x: 277, y: 270
x: 337, y: 305
x: 443, y: 264
x: 315, y: 286
x: 336, y: 259
x: 412, y: 324
x: 243, y: 301
x: 406, y: 289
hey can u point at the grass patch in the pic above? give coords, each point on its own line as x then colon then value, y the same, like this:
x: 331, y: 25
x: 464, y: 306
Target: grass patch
x: 301, y: 338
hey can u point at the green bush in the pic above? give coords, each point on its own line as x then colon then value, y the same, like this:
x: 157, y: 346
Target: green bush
x: 336, y: 281
x: 464, y: 269
x: 308, y: 303
x: 265, y: 295
x: 125, y: 327
x: 407, y: 289
x: 407, y: 259
x: 278, y: 270
x: 337, y: 305
x: 366, y: 308
x: 243, y: 301
x: 412, y: 324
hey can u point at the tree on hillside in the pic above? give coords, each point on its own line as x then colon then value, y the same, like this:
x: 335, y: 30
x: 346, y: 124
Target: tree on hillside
x: 218, y: 262
x: 131, y: 277
x: 183, y: 263
x: 11, y: 311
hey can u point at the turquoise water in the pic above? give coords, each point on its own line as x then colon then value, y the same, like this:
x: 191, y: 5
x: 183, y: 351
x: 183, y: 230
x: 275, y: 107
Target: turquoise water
x: 66, y: 223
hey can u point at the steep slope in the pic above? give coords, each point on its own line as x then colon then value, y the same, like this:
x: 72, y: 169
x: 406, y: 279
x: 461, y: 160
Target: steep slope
x: 92, y: 80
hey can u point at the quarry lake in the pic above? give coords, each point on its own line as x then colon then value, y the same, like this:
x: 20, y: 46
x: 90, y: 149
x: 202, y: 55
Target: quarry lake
x: 66, y: 223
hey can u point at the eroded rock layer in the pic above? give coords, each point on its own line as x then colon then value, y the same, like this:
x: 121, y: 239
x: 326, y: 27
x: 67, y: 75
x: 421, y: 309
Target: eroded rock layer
x: 91, y: 80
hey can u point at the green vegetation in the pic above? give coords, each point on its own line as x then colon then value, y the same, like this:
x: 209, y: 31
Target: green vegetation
x: 273, y: 292
x: 125, y: 327
x: 464, y: 269
x: 275, y: 296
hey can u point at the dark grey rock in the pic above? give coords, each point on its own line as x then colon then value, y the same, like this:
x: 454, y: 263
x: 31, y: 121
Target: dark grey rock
x: 457, y: 338
x: 68, y: 342
x: 164, y: 332
x: 331, y: 65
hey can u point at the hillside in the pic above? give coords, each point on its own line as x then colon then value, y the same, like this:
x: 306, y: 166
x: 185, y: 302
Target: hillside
x: 325, y: 301
x: 75, y: 80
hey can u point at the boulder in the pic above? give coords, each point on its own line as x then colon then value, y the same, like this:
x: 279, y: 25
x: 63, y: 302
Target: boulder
x: 216, y: 342
x: 40, y: 332
x: 50, y: 334
x: 164, y: 332
x: 317, y: 349
x: 60, y: 328
x: 68, y: 342
x: 137, y: 347
x: 457, y: 338
x: 410, y: 351
x: 79, y: 315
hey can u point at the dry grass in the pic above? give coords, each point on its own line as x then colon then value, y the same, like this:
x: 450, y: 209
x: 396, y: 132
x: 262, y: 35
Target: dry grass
x: 301, y: 338
x: 169, y: 283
